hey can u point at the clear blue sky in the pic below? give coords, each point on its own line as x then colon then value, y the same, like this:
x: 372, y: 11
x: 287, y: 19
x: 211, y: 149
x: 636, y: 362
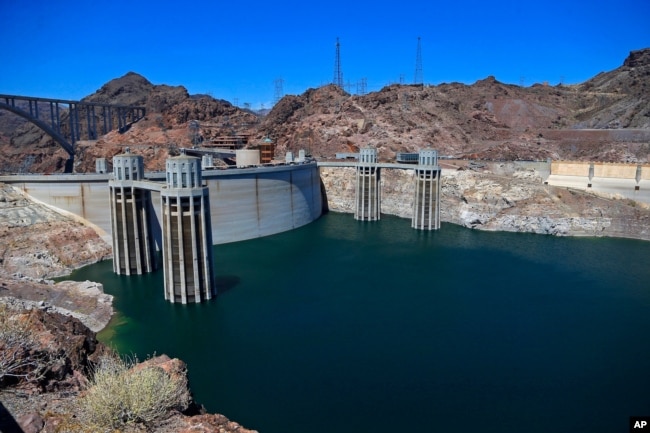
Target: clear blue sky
x: 236, y: 50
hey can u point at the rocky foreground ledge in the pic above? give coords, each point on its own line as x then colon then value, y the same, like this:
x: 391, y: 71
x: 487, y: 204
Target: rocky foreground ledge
x: 64, y: 351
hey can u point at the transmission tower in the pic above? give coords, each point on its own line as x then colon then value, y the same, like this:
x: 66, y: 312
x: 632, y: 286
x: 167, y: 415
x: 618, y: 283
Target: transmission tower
x: 279, y: 92
x: 338, y: 74
x: 405, y: 102
x: 418, y: 78
x: 362, y: 86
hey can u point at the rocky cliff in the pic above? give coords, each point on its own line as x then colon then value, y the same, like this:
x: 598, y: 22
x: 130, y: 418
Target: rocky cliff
x: 37, y: 243
x: 54, y: 372
x: 501, y: 197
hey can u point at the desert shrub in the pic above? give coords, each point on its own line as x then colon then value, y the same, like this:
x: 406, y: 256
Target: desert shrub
x: 20, y: 357
x: 118, y: 394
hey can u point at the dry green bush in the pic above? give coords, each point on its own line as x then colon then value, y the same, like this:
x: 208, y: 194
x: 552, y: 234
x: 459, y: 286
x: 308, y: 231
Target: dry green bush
x: 118, y: 394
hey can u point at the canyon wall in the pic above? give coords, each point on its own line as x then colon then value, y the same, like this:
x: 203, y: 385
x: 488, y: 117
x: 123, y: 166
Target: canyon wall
x: 501, y: 197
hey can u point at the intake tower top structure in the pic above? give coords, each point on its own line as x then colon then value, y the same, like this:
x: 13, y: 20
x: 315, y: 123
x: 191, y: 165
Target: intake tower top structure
x: 127, y: 166
x: 183, y: 171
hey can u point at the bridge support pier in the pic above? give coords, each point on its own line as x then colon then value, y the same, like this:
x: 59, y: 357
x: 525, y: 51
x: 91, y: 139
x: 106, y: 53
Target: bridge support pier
x: 187, y: 233
x: 367, y: 193
x: 426, y: 203
x: 131, y: 216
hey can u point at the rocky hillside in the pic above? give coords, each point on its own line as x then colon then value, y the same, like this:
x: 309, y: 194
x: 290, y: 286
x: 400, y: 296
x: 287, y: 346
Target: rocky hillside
x: 486, y: 120
x: 37, y: 243
x: 606, y: 118
x: 165, y: 128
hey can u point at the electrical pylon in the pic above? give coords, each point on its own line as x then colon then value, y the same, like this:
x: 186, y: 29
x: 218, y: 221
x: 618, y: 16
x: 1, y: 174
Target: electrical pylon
x: 338, y: 75
x: 418, y: 78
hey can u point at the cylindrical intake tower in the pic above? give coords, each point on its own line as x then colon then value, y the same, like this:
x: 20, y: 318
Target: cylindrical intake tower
x: 426, y: 203
x: 131, y: 216
x: 187, y: 233
x: 367, y: 192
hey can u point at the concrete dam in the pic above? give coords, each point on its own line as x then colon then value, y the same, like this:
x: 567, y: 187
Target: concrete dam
x: 185, y: 210
x: 245, y: 203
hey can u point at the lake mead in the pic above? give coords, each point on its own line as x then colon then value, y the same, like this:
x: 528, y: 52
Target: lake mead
x: 349, y: 326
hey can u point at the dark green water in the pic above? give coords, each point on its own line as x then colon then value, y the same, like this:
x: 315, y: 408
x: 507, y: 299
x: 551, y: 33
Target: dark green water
x: 344, y: 326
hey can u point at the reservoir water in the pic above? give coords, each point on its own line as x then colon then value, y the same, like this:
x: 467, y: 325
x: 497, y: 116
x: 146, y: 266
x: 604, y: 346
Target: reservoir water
x: 344, y: 326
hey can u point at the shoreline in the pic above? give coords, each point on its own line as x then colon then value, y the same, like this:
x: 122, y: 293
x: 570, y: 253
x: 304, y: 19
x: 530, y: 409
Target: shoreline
x: 83, y: 300
x: 41, y: 242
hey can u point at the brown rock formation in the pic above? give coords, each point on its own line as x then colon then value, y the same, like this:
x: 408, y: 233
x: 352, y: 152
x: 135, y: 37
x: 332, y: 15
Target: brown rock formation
x: 47, y: 404
x: 487, y: 120
x: 38, y: 243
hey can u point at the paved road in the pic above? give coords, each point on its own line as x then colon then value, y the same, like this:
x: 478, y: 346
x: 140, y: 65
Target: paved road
x: 622, y: 187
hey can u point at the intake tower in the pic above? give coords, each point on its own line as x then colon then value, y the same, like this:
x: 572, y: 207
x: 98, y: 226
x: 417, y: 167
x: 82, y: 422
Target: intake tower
x: 426, y: 203
x: 131, y: 216
x: 367, y: 194
x: 186, y: 233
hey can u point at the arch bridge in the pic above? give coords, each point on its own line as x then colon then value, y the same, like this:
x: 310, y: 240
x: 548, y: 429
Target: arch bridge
x: 69, y: 121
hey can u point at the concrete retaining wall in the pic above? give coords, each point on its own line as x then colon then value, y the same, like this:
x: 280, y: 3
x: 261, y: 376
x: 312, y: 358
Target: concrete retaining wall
x: 570, y: 168
x: 601, y: 169
x: 645, y: 172
x: 619, y: 171
x: 244, y: 204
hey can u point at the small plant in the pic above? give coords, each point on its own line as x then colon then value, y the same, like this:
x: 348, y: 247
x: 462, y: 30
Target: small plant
x: 20, y: 357
x: 120, y: 393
